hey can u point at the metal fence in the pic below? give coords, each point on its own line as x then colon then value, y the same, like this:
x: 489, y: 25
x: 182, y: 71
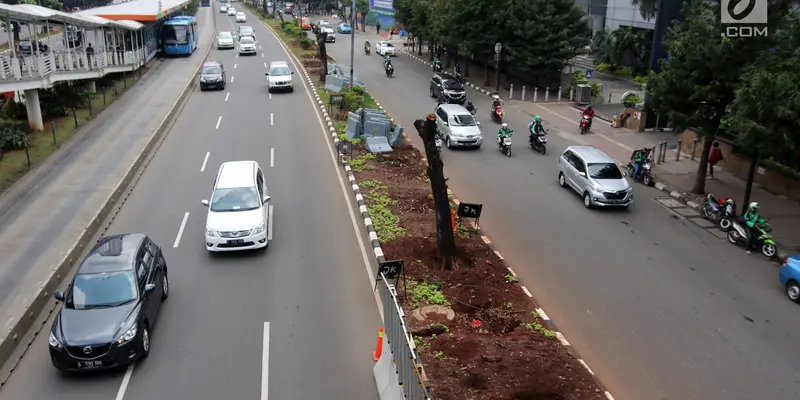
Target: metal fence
x: 406, y: 361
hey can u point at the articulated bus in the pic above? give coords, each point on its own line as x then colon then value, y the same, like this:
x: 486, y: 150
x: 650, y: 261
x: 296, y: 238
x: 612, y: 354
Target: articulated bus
x: 179, y: 36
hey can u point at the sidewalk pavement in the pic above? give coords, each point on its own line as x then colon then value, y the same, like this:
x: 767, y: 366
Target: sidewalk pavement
x: 47, y: 212
x: 675, y: 177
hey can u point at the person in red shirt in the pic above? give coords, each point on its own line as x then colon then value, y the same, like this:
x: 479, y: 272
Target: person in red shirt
x: 714, y: 156
x: 589, y: 113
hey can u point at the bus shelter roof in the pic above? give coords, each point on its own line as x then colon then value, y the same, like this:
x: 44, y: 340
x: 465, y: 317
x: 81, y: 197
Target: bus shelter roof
x: 138, y: 10
x: 36, y: 14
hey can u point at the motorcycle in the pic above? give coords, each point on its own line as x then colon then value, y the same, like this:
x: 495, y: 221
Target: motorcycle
x: 719, y: 211
x: 504, y: 145
x: 438, y: 141
x: 497, y: 114
x: 458, y: 77
x: 538, y: 142
x: 366, y: 48
x: 738, y: 236
x: 584, y: 124
x: 471, y: 108
x: 389, y: 70
x: 645, y: 172
x: 437, y: 66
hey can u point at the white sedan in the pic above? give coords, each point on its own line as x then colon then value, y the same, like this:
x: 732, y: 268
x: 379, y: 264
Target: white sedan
x: 383, y: 48
x: 240, y: 17
x: 231, y: 11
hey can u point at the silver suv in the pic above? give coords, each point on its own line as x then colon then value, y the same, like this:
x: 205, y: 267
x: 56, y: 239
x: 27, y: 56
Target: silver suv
x: 595, y: 176
x: 458, y: 126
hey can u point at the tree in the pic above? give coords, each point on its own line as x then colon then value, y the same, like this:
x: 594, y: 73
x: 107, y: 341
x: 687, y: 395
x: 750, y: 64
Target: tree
x: 698, y: 84
x: 445, y: 237
x: 615, y: 46
x: 480, y: 34
x: 362, y: 6
x: 540, y: 35
x: 647, y: 8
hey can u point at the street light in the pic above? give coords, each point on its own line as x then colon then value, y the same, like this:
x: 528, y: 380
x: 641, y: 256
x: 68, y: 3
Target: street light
x: 352, y: 40
x: 498, y: 48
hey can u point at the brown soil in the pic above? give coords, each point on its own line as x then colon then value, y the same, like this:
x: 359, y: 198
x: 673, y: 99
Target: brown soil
x: 509, y: 356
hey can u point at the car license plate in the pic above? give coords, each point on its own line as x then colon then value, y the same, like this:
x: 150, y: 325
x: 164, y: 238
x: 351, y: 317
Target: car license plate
x: 236, y: 241
x: 90, y: 364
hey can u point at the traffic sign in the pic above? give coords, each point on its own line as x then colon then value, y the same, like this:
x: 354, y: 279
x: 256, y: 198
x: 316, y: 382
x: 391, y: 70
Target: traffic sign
x: 498, y: 47
x: 588, y: 74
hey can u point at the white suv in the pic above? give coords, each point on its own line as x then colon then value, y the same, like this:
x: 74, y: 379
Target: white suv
x: 239, y: 214
x: 279, y: 76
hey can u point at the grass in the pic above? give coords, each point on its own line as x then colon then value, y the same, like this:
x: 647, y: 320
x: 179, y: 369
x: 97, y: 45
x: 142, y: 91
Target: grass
x: 14, y: 163
x: 378, y: 202
x: 537, y: 326
x: 426, y: 293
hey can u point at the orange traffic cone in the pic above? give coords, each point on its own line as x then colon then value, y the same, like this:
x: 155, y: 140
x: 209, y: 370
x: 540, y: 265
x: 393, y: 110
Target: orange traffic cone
x: 376, y: 355
x: 453, y: 219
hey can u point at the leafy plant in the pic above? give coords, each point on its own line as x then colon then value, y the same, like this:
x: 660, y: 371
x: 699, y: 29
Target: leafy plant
x: 306, y: 43
x: 511, y: 278
x: 604, y: 67
x: 427, y: 293
x: 360, y: 164
x: 14, y: 111
x: 631, y: 100
x: 12, y: 138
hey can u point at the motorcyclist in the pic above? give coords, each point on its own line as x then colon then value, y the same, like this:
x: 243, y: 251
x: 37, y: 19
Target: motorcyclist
x: 588, y: 113
x: 638, y: 159
x: 387, y: 61
x: 436, y: 64
x: 751, y: 219
x: 366, y: 46
x: 457, y: 70
x: 536, y: 128
x: 504, y: 131
x: 496, y: 101
x: 471, y: 108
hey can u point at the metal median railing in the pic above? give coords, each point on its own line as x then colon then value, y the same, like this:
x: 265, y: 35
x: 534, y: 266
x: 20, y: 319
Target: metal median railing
x: 406, y: 362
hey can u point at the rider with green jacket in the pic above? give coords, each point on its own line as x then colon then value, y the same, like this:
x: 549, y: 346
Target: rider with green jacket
x: 751, y: 219
x: 503, y: 132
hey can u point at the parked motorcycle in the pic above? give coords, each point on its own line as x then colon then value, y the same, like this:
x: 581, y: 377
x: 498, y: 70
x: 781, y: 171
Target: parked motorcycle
x: 738, y: 236
x: 437, y: 66
x: 504, y: 145
x: 584, y: 124
x: 721, y: 212
x: 646, y: 171
x: 497, y: 114
x: 389, y: 70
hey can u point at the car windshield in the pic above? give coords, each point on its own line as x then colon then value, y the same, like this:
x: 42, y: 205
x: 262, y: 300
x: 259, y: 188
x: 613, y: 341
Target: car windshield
x: 247, y: 40
x: 107, y: 289
x: 386, y: 44
x: 245, y: 30
x: 211, y: 69
x: 235, y: 199
x: 240, y: 14
x: 604, y: 171
x: 279, y: 71
x: 225, y: 35
x: 452, y: 84
x: 464, y: 120
x: 345, y: 26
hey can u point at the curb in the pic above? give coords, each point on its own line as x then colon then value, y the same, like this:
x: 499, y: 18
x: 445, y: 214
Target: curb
x: 114, y: 202
x: 468, y: 83
x: 376, y: 246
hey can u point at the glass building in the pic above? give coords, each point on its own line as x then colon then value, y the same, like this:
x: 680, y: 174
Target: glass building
x: 614, y: 14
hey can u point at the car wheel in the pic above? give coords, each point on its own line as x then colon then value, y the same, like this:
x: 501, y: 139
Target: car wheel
x: 562, y: 181
x: 164, y: 286
x: 291, y: 89
x: 202, y: 89
x: 432, y: 94
x: 793, y: 291
x: 587, y: 200
x: 447, y: 142
x: 145, y: 341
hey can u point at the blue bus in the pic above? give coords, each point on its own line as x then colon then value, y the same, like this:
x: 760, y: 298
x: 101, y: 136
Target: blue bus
x: 179, y: 36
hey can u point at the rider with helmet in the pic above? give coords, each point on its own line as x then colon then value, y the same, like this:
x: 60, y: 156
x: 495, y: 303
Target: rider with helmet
x: 751, y: 219
x: 589, y: 114
x: 503, y: 132
x: 536, y: 128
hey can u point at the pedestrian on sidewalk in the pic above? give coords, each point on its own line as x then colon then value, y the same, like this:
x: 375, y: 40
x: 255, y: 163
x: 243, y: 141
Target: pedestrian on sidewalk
x: 714, y: 156
x: 378, y: 28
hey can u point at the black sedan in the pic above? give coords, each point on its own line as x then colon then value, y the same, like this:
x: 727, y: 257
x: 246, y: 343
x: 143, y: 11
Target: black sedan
x: 212, y: 76
x: 110, y: 306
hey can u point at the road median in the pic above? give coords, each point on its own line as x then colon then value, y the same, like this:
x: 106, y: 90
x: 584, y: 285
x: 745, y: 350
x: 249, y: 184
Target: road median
x: 475, y: 328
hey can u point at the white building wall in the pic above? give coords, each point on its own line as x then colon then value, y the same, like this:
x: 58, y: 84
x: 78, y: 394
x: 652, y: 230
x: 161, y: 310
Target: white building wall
x: 624, y: 13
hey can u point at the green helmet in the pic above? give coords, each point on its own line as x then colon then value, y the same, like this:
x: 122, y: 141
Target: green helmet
x: 537, y: 119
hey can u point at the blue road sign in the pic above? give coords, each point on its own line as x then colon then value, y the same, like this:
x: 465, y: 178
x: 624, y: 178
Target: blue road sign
x: 588, y: 74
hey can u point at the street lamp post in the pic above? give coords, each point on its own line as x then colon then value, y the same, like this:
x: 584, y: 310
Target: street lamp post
x: 498, y: 48
x: 352, y: 40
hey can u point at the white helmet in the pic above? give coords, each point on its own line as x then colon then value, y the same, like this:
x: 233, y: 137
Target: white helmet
x: 505, y: 125
x: 496, y: 97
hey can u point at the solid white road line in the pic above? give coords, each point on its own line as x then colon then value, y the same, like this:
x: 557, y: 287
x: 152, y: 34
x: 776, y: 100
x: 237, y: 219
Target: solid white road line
x: 219, y: 121
x: 232, y: 77
x: 269, y: 224
x: 346, y: 192
x: 205, y: 161
x: 180, y: 230
x: 124, y: 385
x: 227, y: 95
x: 272, y: 157
x: 264, y: 363
x: 271, y: 119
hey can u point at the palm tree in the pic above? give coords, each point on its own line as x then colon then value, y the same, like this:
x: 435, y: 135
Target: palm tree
x: 648, y: 8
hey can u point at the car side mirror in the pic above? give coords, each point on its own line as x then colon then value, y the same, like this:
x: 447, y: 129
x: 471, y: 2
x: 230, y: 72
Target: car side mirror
x: 292, y: 72
x: 266, y: 198
x: 266, y: 73
x: 149, y: 287
x: 581, y: 173
x: 478, y: 122
x: 204, y: 202
x: 624, y: 173
x: 59, y: 296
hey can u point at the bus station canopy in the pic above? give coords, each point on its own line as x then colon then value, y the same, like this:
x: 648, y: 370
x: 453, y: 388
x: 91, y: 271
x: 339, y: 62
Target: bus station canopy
x: 138, y: 10
x: 31, y: 13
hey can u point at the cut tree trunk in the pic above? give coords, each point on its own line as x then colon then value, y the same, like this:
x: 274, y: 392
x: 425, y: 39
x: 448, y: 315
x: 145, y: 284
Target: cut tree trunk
x: 323, y: 54
x: 445, y: 238
x: 702, y: 167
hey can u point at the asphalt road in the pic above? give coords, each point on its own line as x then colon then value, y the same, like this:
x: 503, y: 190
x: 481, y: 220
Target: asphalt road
x: 658, y: 308
x: 310, y: 285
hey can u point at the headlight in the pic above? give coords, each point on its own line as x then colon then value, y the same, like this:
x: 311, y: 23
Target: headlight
x: 127, y: 336
x: 54, y: 342
x: 210, y: 232
x: 258, y: 229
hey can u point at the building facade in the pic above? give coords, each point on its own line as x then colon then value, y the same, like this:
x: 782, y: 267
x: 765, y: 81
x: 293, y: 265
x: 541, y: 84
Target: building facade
x: 614, y: 14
